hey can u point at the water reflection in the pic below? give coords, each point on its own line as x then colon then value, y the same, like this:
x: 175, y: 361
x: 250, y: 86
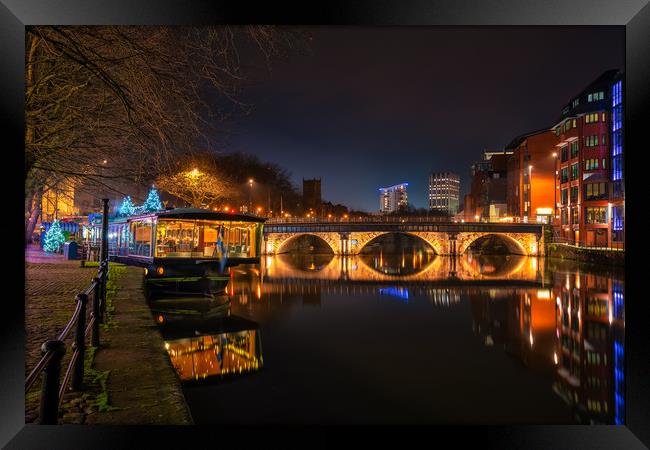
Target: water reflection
x: 589, y: 351
x: 558, y: 323
x: 203, y: 340
x: 520, y: 339
x: 419, y: 266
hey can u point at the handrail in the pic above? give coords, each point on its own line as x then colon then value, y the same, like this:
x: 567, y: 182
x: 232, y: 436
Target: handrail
x: 580, y: 244
x: 401, y: 219
x: 38, y: 368
x: 50, y: 363
x: 71, y: 322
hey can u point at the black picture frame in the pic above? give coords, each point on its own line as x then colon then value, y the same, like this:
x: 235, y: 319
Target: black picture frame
x: 634, y: 15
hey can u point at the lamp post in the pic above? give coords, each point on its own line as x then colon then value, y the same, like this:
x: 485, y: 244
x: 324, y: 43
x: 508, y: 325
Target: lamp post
x: 530, y: 190
x: 554, y: 189
x: 250, y: 195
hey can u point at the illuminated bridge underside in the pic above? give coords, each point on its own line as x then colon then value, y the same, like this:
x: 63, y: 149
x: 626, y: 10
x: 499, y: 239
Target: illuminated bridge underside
x: 351, y: 268
x: 450, y: 239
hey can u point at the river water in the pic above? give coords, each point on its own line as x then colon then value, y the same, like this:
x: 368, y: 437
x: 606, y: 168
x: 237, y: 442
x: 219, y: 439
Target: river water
x: 403, y: 338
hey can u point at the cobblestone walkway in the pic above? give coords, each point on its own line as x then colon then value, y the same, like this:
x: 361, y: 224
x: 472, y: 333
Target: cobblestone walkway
x: 51, y: 284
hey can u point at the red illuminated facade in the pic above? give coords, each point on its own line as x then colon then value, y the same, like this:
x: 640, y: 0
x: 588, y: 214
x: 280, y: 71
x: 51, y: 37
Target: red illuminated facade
x: 531, y: 176
x: 584, y: 165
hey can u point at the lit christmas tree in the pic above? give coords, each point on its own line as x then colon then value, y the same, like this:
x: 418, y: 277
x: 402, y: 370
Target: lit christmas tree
x: 153, y: 201
x: 127, y: 208
x: 54, y: 238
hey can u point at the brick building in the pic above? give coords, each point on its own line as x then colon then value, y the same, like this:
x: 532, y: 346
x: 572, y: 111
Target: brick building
x: 585, y: 154
x: 530, y: 176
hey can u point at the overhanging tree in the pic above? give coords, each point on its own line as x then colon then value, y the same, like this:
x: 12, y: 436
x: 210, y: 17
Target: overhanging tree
x: 109, y: 104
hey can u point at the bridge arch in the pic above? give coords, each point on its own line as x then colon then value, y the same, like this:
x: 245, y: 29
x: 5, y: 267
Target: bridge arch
x: 517, y: 243
x: 433, y: 240
x: 277, y: 243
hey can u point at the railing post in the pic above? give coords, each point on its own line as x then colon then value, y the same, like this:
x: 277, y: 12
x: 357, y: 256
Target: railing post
x: 103, y: 255
x: 49, y: 410
x: 80, y: 344
x: 97, y: 315
x: 104, y: 278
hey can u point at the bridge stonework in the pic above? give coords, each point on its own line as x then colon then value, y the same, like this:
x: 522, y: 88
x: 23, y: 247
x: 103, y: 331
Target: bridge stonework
x: 275, y: 242
x: 437, y: 241
x: 443, y: 243
x: 525, y: 243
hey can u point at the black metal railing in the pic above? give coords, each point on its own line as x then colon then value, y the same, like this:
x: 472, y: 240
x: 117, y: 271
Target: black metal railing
x: 611, y: 246
x: 49, y: 365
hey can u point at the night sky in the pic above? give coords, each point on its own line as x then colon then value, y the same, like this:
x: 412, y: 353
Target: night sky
x: 373, y: 107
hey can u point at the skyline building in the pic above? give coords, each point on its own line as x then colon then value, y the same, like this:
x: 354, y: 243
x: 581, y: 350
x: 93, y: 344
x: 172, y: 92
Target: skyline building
x: 392, y: 198
x: 444, y: 192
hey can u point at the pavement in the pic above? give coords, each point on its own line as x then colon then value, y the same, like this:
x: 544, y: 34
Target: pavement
x: 142, y: 384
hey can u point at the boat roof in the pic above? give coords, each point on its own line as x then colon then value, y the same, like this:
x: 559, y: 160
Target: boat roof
x: 197, y: 213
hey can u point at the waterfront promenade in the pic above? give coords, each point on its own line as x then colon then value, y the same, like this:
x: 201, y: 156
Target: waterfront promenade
x: 132, y: 380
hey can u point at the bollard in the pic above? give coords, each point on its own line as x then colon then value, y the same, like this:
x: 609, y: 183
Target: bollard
x: 97, y: 315
x: 80, y: 345
x: 49, y: 410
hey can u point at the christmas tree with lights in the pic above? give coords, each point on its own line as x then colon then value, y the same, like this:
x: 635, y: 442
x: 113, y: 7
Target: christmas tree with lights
x: 127, y: 208
x: 152, y: 203
x: 54, y: 238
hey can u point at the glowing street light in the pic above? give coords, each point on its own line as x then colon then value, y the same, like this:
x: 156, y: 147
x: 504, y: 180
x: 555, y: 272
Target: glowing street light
x: 250, y: 194
x: 555, y: 189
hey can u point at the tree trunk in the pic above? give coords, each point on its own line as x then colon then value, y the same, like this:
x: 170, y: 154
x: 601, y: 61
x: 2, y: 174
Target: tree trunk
x: 34, y: 215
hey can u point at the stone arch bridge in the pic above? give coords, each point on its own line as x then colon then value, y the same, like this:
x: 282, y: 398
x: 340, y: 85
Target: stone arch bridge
x: 445, y: 238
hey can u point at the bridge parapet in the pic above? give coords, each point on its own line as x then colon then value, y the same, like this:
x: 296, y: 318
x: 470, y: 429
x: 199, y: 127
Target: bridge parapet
x: 442, y: 227
x: 445, y: 238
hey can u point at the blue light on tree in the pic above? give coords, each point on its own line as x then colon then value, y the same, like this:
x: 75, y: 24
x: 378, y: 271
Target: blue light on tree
x: 54, y: 238
x: 152, y: 203
x: 127, y: 208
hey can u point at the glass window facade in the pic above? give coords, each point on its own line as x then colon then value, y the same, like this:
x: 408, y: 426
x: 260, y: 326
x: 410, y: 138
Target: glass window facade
x: 140, y: 234
x: 206, y: 239
x: 118, y: 239
x: 617, y: 132
x: 596, y: 215
x: 596, y: 191
x: 565, y: 154
x: 618, y: 223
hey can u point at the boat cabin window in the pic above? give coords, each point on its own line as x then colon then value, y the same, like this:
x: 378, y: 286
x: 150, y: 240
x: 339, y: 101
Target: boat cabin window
x: 118, y: 239
x: 140, y: 238
x: 206, y: 239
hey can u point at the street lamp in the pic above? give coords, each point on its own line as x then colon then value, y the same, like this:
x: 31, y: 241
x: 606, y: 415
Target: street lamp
x: 250, y: 195
x: 530, y: 190
x: 554, y: 189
